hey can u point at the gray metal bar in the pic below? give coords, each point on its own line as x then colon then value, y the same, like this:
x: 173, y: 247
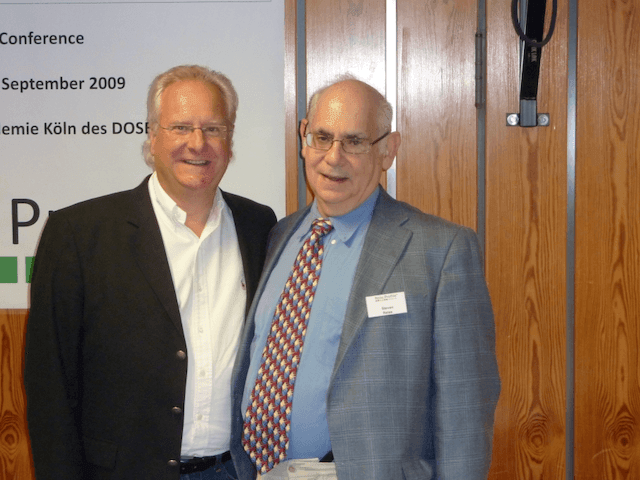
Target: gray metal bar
x: 301, y: 82
x: 391, y: 49
x: 481, y: 113
x: 571, y: 233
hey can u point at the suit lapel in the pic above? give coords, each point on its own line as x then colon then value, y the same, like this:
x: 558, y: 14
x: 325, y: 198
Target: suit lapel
x: 148, y: 249
x: 384, y: 243
x: 247, y: 243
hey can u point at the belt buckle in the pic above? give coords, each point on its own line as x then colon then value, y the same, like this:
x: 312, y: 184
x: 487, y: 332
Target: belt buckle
x: 197, y: 464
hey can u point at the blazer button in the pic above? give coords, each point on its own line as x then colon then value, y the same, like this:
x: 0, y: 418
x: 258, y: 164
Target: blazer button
x: 181, y: 354
x: 176, y: 410
x: 173, y: 463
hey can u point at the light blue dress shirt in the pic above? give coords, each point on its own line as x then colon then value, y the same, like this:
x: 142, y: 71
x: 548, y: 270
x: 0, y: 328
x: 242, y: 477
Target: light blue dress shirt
x: 309, y: 434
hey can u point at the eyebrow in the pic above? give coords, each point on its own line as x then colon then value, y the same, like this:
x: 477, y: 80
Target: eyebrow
x: 322, y: 131
x: 354, y: 136
x: 349, y: 136
x: 208, y: 124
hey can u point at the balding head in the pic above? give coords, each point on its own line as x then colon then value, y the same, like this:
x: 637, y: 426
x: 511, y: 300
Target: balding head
x: 372, y: 98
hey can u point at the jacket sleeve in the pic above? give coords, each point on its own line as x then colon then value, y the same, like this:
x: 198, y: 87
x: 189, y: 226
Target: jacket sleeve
x: 52, y: 370
x: 467, y: 384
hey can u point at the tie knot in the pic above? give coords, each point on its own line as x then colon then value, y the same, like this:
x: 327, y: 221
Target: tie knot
x: 321, y: 226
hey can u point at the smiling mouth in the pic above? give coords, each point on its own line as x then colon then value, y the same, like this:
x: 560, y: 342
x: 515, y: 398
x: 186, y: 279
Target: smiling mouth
x: 334, y: 178
x: 197, y: 163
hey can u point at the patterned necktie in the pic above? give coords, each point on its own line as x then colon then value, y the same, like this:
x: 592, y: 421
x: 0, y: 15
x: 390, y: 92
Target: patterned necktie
x: 268, y: 416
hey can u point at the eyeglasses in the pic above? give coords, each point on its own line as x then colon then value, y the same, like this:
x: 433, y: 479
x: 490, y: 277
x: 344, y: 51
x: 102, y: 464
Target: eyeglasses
x: 322, y: 141
x: 208, y: 131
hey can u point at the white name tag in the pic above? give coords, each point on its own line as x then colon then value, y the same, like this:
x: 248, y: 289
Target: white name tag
x: 386, y: 304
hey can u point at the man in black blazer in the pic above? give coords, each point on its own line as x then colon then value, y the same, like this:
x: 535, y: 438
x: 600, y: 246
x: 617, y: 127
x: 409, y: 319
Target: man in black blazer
x: 137, y: 302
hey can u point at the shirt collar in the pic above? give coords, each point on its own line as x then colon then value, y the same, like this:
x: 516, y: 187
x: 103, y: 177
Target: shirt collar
x: 344, y: 226
x: 174, y: 212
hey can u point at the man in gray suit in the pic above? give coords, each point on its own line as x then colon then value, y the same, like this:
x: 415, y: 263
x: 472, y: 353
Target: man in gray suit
x: 397, y: 375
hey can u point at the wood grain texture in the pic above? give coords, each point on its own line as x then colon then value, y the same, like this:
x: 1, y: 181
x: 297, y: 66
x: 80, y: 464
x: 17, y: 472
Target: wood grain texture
x: 291, y: 151
x: 15, y: 455
x: 526, y: 254
x: 608, y: 242
x: 345, y: 37
x: 437, y: 161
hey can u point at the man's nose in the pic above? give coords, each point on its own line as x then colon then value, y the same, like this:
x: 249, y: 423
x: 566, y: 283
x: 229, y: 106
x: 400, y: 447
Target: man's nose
x: 335, y: 153
x: 196, y: 139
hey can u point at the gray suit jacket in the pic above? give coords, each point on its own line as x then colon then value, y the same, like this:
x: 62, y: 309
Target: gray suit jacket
x: 412, y: 395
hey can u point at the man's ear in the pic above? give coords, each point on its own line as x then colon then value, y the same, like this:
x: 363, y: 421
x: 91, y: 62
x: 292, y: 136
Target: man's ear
x: 152, y: 140
x: 392, y: 145
x: 303, y: 129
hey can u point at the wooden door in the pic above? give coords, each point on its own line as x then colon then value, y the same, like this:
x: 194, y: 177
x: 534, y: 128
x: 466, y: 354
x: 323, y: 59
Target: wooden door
x: 526, y: 224
x: 607, y: 289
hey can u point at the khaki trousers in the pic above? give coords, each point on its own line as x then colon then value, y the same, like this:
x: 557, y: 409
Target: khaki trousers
x: 302, y: 469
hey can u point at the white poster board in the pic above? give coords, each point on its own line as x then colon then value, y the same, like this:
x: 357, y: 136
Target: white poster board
x: 73, y: 88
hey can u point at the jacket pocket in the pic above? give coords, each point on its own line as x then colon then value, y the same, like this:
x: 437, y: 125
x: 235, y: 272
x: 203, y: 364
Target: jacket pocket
x: 100, y: 453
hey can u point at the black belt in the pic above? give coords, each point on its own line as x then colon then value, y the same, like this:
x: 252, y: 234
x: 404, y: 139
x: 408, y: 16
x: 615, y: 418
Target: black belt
x: 200, y: 464
x: 328, y: 457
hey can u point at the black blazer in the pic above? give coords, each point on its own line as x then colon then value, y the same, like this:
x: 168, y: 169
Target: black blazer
x: 106, y: 358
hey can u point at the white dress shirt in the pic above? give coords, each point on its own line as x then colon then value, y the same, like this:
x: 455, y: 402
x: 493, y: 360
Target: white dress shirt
x: 210, y: 287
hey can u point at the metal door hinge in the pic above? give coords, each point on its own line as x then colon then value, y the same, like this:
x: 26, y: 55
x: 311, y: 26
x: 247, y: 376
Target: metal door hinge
x: 480, y: 69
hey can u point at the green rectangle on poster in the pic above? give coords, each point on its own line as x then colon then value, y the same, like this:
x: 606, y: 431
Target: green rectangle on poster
x: 8, y: 269
x: 28, y: 268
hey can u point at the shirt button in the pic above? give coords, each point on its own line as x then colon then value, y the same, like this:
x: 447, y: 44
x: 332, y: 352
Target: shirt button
x: 333, y: 242
x: 176, y: 410
x: 181, y: 354
x: 199, y: 416
x: 172, y: 463
x: 292, y: 469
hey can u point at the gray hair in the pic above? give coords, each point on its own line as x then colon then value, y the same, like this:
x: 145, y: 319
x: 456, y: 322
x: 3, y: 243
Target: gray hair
x: 384, y: 115
x: 181, y: 73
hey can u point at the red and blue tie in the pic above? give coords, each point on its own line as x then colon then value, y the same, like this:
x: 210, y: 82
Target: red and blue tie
x: 268, y: 417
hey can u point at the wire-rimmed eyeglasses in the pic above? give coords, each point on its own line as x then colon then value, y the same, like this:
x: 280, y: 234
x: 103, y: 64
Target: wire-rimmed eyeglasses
x: 352, y: 144
x: 208, y: 131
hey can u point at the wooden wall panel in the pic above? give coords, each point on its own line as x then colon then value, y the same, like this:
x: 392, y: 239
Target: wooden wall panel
x: 526, y: 197
x: 607, y: 331
x: 345, y: 36
x: 437, y: 161
x: 15, y: 456
x: 291, y: 150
